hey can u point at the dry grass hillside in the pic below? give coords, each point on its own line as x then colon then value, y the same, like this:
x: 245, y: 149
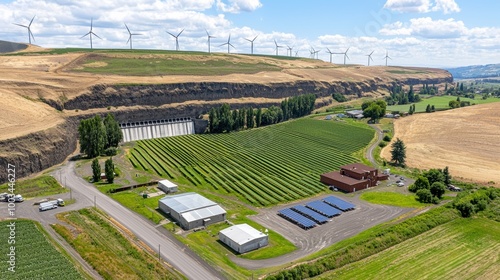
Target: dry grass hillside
x: 37, y: 75
x: 466, y: 139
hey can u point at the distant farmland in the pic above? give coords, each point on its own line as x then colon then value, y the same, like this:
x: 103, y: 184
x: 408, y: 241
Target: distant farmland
x: 262, y: 166
x: 439, y: 102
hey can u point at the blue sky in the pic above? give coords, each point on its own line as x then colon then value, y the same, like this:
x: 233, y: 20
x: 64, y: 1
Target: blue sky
x: 437, y: 33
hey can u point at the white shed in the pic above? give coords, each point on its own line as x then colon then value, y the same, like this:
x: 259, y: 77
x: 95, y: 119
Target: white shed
x: 243, y: 238
x: 167, y: 186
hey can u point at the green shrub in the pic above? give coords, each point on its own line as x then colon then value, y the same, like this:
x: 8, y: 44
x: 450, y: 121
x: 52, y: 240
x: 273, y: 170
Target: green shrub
x: 382, y: 144
x: 387, y: 138
x: 424, y: 196
x: 339, y: 97
x: 111, y: 151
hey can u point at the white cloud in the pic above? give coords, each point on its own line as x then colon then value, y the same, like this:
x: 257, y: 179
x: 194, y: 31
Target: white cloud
x: 447, y: 6
x: 237, y: 6
x: 422, y: 6
x: 427, y: 28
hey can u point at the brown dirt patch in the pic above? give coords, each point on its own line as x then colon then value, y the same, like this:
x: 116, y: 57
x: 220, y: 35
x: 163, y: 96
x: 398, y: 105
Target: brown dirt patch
x: 467, y: 140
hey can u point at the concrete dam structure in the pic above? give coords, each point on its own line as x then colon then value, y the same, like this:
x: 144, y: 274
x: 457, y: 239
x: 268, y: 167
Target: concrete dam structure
x: 156, y: 129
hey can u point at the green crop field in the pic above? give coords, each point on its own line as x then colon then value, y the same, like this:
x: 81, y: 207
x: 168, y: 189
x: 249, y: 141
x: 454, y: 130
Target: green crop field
x: 35, y: 256
x: 461, y: 249
x: 439, y: 102
x: 263, y: 166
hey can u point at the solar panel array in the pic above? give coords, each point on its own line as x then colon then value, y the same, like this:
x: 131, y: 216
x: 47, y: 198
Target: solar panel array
x: 339, y: 203
x: 297, y: 218
x: 316, y: 211
x: 318, y: 218
x: 323, y: 208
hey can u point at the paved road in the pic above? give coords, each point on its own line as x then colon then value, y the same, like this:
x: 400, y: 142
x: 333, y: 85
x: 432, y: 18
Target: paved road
x: 369, y: 152
x: 174, y: 252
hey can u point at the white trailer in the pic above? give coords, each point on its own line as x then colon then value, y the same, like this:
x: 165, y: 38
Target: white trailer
x: 58, y: 202
x: 46, y: 206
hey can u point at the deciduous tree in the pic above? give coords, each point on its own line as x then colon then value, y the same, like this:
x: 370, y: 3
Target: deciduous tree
x: 96, y: 170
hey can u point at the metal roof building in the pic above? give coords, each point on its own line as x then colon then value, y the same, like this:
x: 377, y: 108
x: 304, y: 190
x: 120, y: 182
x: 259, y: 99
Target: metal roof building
x: 167, y: 186
x: 243, y: 238
x: 192, y: 210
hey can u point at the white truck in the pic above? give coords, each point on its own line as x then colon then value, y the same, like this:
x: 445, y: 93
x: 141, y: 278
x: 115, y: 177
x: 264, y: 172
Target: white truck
x: 11, y: 198
x: 46, y: 206
x: 58, y: 202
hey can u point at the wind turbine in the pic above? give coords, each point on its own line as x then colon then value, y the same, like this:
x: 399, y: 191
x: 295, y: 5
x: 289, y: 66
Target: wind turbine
x: 30, y: 34
x: 330, y: 52
x: 277, y: 47
x: 251, y: 42
x: 387, y: 57
x: 316, y: 53
x: 288, y: 48
x: 345, y: 54
x: 176, y: 39
x: 296, y: 53
x: 130, y: 34
x: 228, y: 43
x: 208, y: 39
x: 311, y: 51
x: 90, y: 33
x: 370, y: 57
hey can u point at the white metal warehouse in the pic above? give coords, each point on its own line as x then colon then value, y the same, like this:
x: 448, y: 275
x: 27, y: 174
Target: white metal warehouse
x: 243, y: 238
x: 167, y: 186
x: 192, y: 210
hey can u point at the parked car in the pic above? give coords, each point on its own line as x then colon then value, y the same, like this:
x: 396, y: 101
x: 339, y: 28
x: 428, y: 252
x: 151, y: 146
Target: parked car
x: 400, y: 184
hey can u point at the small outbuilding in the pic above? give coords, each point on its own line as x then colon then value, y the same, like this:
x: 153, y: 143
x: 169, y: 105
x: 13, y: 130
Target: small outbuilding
x: 192, y: 210
x: 243, y: 238
x: 167, y: 186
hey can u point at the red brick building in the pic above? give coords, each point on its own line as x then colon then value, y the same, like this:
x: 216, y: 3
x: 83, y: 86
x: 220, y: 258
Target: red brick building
x: 353, y: 177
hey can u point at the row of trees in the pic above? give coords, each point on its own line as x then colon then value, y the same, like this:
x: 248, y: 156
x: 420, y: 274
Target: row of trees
x: 298, y: 106
x: 431, y: 185
x: 109, y: 170
x: 98, y: 136
x: 458, y: 103
x: 399, y: 96
x: 223, y: 119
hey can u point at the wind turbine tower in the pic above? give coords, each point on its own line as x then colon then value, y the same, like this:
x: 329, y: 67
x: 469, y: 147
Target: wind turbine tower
x: 331, y: 53
x: 277, y: 47
x: 370, y: 57
x: 30, y: 34
x: 208, y: 39
x: 345, y: 54
x: 130, y: 34
x: 289, y: 49
x: 228, y: 43
x: 176, y: 39
x: 387, y: 57
x: 251, y: 42
x: 90, y: 33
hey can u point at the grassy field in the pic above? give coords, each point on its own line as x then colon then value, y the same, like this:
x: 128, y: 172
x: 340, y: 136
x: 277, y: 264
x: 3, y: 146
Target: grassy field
x: 163, y: 65
x: 461, y: 249
x: 111, y: 254
x: 36, y: 257
x: 39, y: 186
x: 440, y: 103
x: 392, y: 198
x: 264, y: 166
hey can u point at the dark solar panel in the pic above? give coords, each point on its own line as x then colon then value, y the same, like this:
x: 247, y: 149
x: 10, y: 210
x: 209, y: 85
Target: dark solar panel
x: 323, y: 208
x: 320, y: 219
x: 339, y: 203
x: 297, y: 218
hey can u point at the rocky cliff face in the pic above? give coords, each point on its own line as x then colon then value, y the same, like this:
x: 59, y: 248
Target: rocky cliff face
x: 101, y: 96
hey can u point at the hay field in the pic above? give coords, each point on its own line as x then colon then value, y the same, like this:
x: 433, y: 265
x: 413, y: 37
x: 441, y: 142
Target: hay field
x: 465, y: 139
